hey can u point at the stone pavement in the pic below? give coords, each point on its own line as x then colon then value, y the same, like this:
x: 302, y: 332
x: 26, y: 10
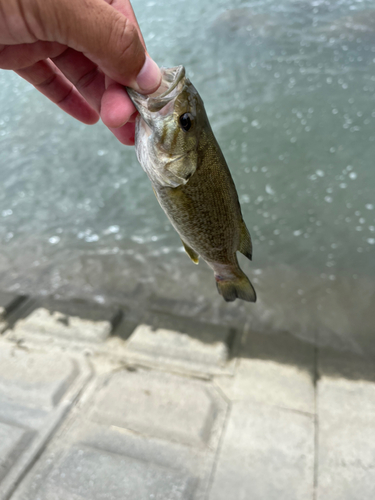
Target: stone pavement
x: 98, y: 404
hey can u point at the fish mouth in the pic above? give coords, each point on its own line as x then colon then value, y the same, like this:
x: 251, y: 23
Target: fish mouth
x: 170, y: 87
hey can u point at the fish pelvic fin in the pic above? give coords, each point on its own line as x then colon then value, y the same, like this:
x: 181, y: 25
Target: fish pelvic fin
x: 191, y: 253
x: 237, y: 287
x: 245, y: 246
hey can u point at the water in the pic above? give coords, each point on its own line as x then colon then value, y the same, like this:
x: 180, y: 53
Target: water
x: 289, y: 87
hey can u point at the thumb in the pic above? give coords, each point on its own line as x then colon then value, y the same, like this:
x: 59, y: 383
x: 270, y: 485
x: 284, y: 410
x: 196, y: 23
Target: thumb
x: 105, y: 36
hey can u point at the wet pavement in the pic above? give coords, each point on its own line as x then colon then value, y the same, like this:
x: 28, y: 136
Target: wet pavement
x: 99, y: 403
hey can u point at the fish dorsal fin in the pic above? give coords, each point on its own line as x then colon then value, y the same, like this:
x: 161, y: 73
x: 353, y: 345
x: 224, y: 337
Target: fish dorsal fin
x: 245, y: 246
x: 191, y: 253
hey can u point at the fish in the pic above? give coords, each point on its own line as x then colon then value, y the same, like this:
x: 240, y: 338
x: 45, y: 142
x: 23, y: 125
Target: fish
x: 191, y: 180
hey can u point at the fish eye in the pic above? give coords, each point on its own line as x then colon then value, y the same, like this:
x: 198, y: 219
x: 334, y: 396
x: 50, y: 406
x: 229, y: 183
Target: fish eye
x: 186, y: 121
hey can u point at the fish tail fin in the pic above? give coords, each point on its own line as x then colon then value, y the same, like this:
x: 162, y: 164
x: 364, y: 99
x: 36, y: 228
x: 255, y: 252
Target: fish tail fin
x: 236, y: 287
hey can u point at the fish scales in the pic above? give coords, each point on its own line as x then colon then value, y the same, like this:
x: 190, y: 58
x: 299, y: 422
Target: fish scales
x: 201, y: 210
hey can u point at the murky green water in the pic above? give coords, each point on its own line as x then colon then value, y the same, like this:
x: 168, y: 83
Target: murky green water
x: 289, y: 87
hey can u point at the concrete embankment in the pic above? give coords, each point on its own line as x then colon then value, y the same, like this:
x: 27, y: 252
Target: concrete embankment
x: 97, y: 402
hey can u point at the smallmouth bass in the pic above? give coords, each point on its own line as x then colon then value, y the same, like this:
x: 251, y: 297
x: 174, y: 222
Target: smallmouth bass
x: 191, y: 180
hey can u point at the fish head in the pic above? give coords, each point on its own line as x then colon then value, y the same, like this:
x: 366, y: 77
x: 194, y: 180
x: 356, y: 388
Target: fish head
x: 169, y: 127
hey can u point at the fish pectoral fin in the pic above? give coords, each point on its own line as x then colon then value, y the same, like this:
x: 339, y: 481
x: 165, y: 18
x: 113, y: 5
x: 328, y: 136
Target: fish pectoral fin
x: 245, y: 246
x: 191, y: 253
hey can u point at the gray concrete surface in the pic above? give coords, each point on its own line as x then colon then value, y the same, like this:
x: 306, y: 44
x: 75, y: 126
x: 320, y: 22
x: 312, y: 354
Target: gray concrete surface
x: 167, y: 408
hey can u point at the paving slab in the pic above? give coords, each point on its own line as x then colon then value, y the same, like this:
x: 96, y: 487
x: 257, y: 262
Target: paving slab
x: 73, y: 321
x: 135, y: 434
x: 268, y: 382
x: 182, y: 342
x: 91, y: 474
x: 36, y: 391
x: 267, y: 453
x: 171, y: 344
x: 13, y: 440
x: 346, y: 416
x: 274, y: 370
x: 35, y: 379
x: 157, y: 404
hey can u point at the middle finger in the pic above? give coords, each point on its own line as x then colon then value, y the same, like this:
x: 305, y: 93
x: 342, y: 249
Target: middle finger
x: 84, y: 74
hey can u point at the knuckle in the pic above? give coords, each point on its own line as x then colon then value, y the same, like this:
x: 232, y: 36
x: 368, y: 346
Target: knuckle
x: 47, y: 82
x: 126, y: 40
x: 64, y: 97
x: 86, y: 80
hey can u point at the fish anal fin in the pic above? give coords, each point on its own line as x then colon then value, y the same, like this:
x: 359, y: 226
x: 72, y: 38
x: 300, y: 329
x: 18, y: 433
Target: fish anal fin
x: 191, y: 253
x: 245, y: 246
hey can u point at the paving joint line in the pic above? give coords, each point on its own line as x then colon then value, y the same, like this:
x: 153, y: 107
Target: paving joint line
x: 220, y: 444
x: 316, y: 424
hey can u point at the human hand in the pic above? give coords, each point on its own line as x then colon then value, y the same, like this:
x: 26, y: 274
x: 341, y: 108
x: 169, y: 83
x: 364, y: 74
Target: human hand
x: 80, y: 54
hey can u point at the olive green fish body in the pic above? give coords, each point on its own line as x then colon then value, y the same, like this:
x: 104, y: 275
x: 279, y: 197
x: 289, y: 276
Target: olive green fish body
x: 193, y: 184
x: 205, y: 211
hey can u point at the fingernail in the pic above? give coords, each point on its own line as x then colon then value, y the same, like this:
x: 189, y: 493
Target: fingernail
x: 149, y: 78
